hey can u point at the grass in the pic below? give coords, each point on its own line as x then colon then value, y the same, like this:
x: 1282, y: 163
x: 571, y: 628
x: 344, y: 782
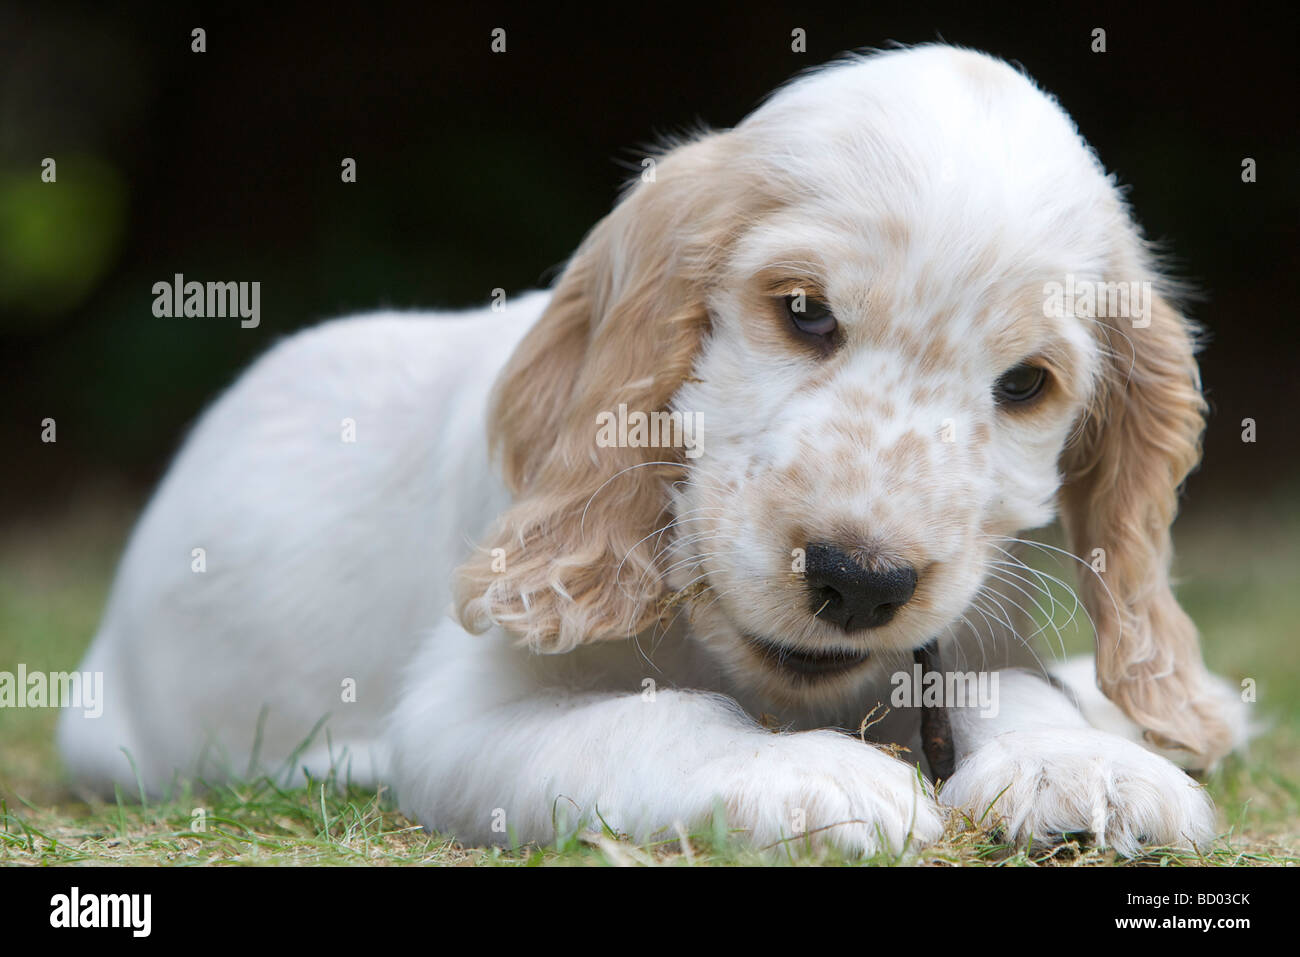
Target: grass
x: 1240, y: 569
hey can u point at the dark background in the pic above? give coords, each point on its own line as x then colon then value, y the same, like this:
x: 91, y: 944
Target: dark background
x: 478, y: 170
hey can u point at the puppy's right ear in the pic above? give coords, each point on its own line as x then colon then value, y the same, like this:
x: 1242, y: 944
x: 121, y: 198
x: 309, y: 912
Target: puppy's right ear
x: 623, y: 327
x: 1140, y: 440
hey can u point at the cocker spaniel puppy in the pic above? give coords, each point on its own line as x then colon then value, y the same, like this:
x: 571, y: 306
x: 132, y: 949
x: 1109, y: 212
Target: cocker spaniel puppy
x: 778, y: 425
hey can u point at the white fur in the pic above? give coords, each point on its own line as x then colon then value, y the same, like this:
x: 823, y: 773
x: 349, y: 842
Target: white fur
x: 543, y: 754
x: 329, y: 561
x: 1038, y: 771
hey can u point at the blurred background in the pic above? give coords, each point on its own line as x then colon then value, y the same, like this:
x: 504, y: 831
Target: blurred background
x: 478, y: 170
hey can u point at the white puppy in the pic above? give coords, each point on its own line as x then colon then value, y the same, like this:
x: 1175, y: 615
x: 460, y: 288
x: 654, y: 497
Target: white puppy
x: 776, y: 427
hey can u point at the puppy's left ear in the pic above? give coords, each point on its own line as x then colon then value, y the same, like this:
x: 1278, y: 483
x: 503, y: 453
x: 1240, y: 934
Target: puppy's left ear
x: 575, y: 559
x: 1141, y: 437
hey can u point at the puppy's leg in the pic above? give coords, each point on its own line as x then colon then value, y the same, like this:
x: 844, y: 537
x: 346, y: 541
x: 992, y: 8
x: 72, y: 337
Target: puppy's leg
x: 1033, y: 769
x: 483, y: 752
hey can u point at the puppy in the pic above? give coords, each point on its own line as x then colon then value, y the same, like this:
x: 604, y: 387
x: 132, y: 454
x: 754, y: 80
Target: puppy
x: 781, y: 422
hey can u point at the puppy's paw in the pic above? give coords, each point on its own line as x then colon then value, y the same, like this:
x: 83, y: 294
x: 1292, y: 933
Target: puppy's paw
x: 823, y: 788
x: 1038, y: 786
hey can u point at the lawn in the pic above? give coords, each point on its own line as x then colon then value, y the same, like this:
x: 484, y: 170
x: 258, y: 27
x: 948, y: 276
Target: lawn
x: 1240, y: 570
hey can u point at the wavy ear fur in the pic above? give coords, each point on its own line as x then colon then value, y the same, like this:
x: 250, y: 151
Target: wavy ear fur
x: 623, y: 326
x: 1141, y: 438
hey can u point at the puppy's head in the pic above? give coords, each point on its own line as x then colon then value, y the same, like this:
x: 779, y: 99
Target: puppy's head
x: 815, y: 370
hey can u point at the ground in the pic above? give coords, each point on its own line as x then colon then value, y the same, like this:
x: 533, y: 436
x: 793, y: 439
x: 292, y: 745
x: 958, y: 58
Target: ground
x: 1239, y: 570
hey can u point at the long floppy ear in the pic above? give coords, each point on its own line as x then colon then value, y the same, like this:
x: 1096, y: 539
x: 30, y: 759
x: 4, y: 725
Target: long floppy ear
x: 573, y: 559
x: 1140, y: 440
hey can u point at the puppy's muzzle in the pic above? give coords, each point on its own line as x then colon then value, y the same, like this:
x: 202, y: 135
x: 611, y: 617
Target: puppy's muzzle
x: 850, y: 595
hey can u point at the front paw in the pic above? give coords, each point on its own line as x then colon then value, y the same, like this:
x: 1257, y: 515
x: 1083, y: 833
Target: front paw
x: 823, y: 788
x: 1038, y: 786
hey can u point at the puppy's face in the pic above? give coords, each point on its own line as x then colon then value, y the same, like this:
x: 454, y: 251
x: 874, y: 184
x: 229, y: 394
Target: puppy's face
x: 851, y: 293
x: 886, y: 391
x: 874, y: 427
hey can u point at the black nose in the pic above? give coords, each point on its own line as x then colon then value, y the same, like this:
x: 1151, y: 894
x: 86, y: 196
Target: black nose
x: 851, y: 596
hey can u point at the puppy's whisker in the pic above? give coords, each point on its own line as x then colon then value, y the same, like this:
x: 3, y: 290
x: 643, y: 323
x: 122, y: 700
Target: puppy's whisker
x: 1042, y: 577
x: 979, y: 639
x: 1049, y: 620
x: 696, y: 559
x: 694, y: 554
x: 675, y: 543
x: 988, y: 597
x: 659, y: 552
x: 979, y: 635
x: 1015, y: 634
x: 671, y: 542
x: 1041, y: 629
x: 1042, y: 546
x: 661, y: 531
x: 1013, y: 569
x: 582, y: 521
x: 1010, y: 560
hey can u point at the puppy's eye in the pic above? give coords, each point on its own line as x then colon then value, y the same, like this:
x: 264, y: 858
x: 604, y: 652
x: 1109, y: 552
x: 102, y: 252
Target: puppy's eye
x: 1020, y: 384
x: 810, y: 316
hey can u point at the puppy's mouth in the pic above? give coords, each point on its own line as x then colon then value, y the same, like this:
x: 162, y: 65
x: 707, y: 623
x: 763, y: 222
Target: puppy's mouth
x: 809, y: 665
